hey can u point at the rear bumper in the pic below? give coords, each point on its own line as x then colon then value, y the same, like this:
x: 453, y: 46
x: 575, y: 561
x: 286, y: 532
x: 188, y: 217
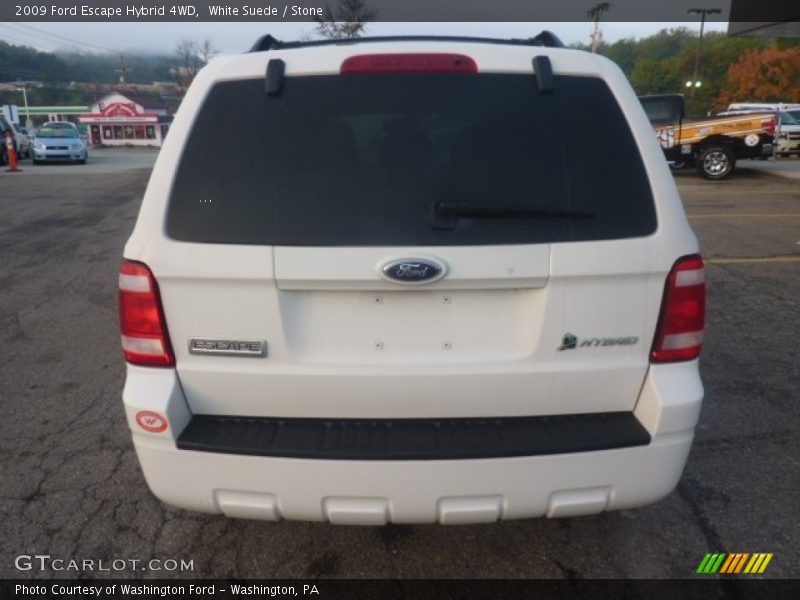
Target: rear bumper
x: 59, y: 155
x: 417, y: 491
x: 760, y: 150
x: 787, y: 146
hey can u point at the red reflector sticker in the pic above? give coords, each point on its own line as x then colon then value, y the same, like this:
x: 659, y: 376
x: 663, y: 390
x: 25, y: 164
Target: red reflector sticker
x: 151, y: 421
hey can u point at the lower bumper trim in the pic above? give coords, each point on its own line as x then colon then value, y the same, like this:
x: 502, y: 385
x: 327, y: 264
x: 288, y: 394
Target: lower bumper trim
x: 412, y: 439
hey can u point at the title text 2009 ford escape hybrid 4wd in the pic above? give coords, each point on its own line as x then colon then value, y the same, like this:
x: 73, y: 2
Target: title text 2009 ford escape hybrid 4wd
x: 438, y: 280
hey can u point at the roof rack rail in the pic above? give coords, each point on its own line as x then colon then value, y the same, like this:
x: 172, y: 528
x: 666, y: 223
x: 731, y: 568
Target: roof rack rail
x: 546, y: 38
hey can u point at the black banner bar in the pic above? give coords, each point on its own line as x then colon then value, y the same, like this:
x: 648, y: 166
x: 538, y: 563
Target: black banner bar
x: 392, y: 10
x: 700, y: 588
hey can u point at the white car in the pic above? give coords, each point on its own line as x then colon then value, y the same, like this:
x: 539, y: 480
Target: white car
x: 788, y: 138
x: 22, y: 144
x: 445, y: 280
x: 23, y: 140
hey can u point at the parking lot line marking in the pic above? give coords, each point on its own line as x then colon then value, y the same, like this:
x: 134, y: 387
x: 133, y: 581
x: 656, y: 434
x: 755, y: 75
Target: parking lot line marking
x: 745, y: 216
x: 752, y: 260
x: 726, y: 194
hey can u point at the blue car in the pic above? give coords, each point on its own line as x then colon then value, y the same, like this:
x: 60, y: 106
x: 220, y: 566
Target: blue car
x: 59, y: 141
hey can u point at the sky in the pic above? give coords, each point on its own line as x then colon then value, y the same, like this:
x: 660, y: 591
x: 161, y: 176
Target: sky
x: 238, y: 37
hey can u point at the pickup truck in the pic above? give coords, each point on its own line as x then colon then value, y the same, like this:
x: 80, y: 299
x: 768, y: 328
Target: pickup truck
x: 787, y: 137
x: 711, y: 144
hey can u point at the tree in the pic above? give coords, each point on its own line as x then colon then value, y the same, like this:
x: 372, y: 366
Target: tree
x: 719, y: 53
x: 652, y: 76
x: 623, y: 52
x: 349, y: 20
x: 24, y: 63
x: 192, y: 56
x: 667, y: 43
x: 769, y: 75
x: 206, y: 51
x: 664, y: 62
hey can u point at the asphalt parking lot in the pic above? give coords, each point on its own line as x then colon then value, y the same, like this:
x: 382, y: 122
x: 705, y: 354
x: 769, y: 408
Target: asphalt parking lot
x: 70, y: 485
x: 101, y: 160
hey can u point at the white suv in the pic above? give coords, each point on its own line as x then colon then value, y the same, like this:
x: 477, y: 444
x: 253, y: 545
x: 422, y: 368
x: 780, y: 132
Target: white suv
x: 442, y: 280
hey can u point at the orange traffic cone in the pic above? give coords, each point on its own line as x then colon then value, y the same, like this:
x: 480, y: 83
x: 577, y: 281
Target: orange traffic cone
x: 12, y: 161
x: 12, y: 156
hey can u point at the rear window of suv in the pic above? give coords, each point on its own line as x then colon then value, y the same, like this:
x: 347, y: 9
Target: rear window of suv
x: 360, y: 160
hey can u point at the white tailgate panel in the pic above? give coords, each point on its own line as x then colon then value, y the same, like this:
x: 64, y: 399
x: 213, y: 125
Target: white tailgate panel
x: 342, y: 342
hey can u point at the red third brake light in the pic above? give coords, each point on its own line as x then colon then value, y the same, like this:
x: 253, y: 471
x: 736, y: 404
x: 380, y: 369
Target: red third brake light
x: 141, y: 319
x: 377, y: 64
x: 679, y: 335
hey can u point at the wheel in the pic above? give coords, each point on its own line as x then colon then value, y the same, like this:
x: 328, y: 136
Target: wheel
x: 715, y: 162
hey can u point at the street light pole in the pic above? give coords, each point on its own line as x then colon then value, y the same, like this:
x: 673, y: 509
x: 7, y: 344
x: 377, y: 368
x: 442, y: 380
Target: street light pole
x: 695, y: 83
x: 28, y: 122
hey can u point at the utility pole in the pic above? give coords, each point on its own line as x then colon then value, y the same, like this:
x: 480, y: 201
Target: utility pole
x: 122, y: 70
x: 595, y: 13
x: 695, y: 82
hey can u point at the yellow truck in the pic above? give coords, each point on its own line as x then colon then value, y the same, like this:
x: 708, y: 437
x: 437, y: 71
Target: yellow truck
x: 711, y: 144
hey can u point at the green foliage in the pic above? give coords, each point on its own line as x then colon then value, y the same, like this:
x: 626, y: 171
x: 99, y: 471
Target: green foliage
x: 651, y: 76
x: 783, y: 43
x: 623, y: 52
x: 49, y: 96
x: 719, y: 53
x: 101, y: 68
x: 24, y: 63
x: 667, y: 43
x: 664, y: 62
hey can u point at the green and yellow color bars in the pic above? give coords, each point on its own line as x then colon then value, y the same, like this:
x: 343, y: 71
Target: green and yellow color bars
x: 720, y: 562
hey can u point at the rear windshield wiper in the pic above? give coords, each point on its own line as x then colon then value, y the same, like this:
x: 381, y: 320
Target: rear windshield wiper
x: 444, y: 215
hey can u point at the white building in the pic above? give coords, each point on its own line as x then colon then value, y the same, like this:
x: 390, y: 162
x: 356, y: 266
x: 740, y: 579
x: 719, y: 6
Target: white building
x: 129, y: 119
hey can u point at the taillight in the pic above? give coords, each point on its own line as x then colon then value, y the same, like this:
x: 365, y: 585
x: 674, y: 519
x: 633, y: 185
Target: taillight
x: 141, y: 319
x: 769, y: 126
x: 377, y: 64
x: 679, y: 335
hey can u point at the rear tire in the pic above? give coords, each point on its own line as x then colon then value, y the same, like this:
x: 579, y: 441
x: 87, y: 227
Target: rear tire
x: 715, y: 162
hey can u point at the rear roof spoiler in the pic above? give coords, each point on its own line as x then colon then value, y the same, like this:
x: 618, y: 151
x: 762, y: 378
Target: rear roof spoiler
x: 545, y: 39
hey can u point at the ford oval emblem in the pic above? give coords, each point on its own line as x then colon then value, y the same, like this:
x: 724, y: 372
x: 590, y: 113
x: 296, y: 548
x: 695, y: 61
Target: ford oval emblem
x: 413, y: 271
